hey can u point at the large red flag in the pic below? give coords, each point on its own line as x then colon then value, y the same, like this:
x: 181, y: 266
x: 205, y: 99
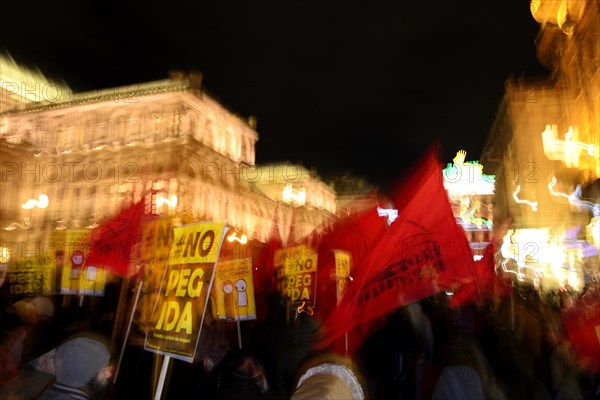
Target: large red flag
x: 422, y: 253
x: 354, y: 235
x: 112, y: 241
x: 486, y: 285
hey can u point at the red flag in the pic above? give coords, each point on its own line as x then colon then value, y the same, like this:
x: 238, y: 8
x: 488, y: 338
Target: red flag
x: 355, y: 234
x: 423, y: 252
x: 582, y: 323
x: 112, y: 241
x: 486, y: 285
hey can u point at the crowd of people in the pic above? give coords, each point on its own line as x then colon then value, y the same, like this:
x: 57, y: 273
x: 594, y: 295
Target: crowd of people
x: 514, y: 348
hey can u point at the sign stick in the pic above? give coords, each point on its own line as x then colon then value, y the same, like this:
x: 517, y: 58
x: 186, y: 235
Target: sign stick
x: 239, y: 330
x: 137, y: 296
x: 161, y: 378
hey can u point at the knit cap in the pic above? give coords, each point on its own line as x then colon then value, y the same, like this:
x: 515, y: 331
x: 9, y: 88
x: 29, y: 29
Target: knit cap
x: 79, y: 360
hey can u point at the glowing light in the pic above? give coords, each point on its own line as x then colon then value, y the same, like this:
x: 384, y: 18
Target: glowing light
x: 532, y: 204
x: 290, y: 195
x: 527, y: 247
x: 390, y: 213
x: 574, y: 198
x: 15, y: 225
x: 30, y: 85
x: 233, y: 237
x: 305, y: 308
x: 4, y: 256
x: 566, y: 150
x: 555, y: 257
x: 467, y: 178
x: 552, y: 192
x: 172, y: 202
x: 593, y: 231
x: 41, y: 203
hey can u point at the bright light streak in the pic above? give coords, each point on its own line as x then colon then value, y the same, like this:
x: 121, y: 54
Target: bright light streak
x: 171, y: 203
x: 390, y: 213
x: 574, y: 198
x: 233, y: 237
x: 41, y: 203
x: 4, y: 256
x: 566, y: 150
x: 532, y: 204
x: 15, y: 225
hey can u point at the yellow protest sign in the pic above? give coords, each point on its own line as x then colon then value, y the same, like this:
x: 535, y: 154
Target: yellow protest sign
x: 233, y: 291
x: 297, y: 274
x: 72, y: 246
x: 342, y: 271
x: 176, y: 320
x: 196, y: 243
x: 30, y: 277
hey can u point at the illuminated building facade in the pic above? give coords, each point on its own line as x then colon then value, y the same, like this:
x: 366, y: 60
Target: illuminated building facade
x: 543, y: 149
x: 91, y: 152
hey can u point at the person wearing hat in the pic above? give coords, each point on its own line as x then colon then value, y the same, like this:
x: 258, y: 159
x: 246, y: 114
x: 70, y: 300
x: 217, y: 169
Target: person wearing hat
x: 82, y: 368
x: 329, y: 377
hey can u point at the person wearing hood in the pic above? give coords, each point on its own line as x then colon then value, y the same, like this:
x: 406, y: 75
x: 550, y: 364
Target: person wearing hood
x: 82, y: 369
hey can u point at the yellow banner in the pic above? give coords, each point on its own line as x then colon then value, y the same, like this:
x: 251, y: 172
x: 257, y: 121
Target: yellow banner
x: 233, y: 291
x: 196, y: 243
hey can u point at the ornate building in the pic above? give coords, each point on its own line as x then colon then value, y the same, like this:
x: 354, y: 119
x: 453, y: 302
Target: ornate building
x: 81, y: 156
x: 543, y: 149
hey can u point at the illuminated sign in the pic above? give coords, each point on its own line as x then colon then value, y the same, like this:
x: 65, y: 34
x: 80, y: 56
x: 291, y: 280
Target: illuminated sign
x: 467, y: 178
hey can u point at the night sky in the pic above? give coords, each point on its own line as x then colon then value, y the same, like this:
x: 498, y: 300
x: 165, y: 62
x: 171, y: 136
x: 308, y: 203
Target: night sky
x: 341, y: 86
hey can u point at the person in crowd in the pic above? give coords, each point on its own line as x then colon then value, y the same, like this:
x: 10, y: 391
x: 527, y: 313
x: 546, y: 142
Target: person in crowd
x: 298, y: 347
x: 250, y: 381
x: 82, y: 369
x: 329, y: 376
x: 33, y: 334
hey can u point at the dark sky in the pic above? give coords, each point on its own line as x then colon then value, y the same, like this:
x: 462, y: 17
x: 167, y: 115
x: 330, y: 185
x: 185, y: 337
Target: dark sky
x: 357, y: 86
